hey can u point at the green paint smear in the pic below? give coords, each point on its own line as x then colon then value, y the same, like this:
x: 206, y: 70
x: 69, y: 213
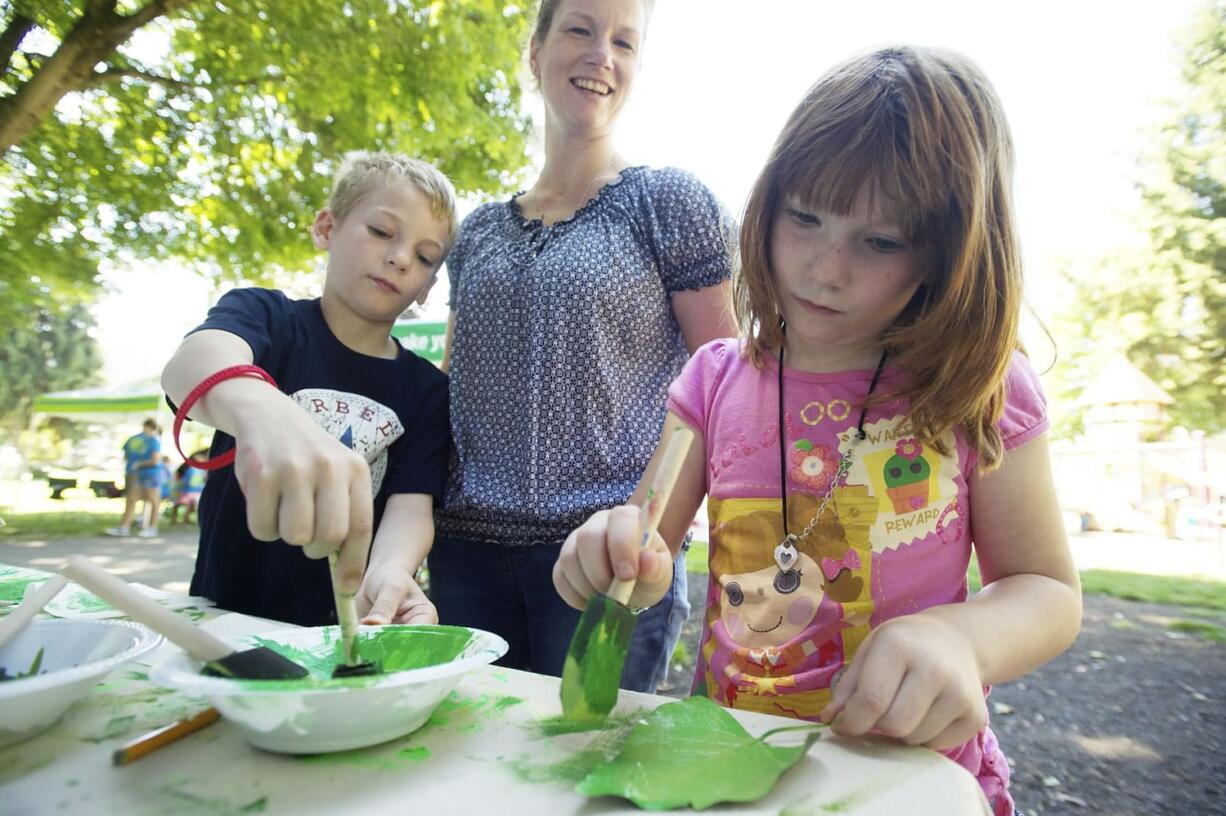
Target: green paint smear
x: 592, y: 671
x: 14, y: 580
x: 378, y: 757
x: 394, y: 648
x: 695, y: 754
x: 467, y: 714
x: 191, y: 804
x: 556, y: 726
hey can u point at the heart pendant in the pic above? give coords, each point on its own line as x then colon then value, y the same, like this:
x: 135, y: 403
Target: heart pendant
x: 786, y: 554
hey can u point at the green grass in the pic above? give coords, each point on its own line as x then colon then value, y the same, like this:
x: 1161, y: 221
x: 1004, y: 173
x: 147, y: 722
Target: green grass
x: 696, y: 558
x: 67, y: 524
x: 1209, y: 631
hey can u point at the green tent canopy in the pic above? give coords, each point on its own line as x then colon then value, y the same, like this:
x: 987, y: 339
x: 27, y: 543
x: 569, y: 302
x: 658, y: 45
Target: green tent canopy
x: 127, y: 403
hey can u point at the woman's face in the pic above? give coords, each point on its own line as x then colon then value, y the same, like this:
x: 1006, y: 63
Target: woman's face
x: 588, y: 61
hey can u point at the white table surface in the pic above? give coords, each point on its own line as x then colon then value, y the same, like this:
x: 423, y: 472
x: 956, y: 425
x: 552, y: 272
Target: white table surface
x: 475, y: 762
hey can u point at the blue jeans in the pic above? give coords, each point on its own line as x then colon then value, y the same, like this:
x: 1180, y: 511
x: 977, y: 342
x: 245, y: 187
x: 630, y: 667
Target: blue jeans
x: 509, y: 591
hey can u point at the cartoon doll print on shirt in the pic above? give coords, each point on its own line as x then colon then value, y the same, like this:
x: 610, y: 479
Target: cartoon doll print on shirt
x: 777, y: 636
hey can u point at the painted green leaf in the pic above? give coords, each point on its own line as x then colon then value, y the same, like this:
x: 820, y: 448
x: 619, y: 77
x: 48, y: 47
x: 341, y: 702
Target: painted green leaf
x: 803, y: 445
x: 695, y: 754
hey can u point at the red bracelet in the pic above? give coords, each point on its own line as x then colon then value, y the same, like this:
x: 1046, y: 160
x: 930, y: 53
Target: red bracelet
x: 199, y: 391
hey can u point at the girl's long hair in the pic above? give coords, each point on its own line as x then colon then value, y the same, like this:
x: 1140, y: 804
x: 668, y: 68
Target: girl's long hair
x: 925, y: 130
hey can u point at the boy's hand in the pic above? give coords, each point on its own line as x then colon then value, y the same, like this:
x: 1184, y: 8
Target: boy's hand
x: 303, y: 486
x: 390, y: 595
x: 915, y: 678
x: 609, y: 542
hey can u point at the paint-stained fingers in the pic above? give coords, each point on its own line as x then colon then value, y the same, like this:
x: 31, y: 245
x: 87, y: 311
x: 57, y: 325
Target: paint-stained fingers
x: 622, y: 541
x: 351, y: 561
x: 566, y: 590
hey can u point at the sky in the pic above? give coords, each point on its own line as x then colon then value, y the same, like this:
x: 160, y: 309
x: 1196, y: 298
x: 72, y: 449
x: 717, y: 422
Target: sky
x: 1081, y: 81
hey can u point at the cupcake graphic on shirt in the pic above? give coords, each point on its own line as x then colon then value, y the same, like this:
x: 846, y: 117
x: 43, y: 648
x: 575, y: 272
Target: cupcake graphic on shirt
x: 906, y: 477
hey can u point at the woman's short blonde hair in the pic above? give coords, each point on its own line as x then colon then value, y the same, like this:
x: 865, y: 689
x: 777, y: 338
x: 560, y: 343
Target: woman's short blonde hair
x: 362, y: 171
x: 925, y: 130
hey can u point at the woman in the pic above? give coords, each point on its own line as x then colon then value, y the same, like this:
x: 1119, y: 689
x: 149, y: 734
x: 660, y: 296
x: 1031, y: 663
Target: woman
x: 574, y: 304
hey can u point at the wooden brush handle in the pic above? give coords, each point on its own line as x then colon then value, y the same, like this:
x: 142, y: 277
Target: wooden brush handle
x: 31, y: 606
x: 143, y: 609
x: 656, y: 501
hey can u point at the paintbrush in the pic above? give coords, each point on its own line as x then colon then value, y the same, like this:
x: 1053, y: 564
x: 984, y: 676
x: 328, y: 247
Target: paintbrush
x: 147, y: 744
x: 593, y: 668
x: 31, y: 606
x: 351, y: 664
x: 219, y: 658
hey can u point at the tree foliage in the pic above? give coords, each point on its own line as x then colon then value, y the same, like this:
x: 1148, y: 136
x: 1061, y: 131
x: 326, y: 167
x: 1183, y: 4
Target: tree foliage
x: 207, y: 131
x: 51, y: 352
x: 1165, y: 306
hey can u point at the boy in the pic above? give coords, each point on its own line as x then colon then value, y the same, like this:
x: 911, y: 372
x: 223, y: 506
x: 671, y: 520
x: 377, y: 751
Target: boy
x: 140, y: 453
x: 355, y: 438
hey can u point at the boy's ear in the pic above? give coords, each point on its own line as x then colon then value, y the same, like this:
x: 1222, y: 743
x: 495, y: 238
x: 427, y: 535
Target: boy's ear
x: 425, y: 289
x: 321, y: 230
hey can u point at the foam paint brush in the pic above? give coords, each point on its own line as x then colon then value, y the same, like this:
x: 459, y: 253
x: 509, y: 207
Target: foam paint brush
x: 219, y: 658
x: 350, y: 664
x: 593, y: 668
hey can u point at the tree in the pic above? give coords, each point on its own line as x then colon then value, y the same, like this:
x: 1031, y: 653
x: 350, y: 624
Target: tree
x: 52, y: 352
x: 207, y: 131
x: 1165, y: 307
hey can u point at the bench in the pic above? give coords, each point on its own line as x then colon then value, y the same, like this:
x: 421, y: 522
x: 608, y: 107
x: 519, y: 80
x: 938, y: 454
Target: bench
x: 58, y: 486
x: 105, y: 488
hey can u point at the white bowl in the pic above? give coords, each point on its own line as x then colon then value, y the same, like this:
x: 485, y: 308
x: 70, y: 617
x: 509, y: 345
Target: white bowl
x: 76, y: 654
x: 319, y: 714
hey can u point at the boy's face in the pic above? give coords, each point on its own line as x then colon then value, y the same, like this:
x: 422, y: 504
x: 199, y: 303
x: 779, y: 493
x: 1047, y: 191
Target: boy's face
x: 385, y: 255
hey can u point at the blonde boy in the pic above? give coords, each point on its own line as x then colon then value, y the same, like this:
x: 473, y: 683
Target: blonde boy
x: 353, y: 440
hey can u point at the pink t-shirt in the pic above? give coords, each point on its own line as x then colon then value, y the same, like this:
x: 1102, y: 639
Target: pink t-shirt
x: 894, y: 539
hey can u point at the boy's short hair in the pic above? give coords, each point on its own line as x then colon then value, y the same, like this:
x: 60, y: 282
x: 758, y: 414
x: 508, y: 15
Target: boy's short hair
x: 362, y: 171
x: 150, y: 424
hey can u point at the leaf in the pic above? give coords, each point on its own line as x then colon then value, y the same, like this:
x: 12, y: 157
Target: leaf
x: 695, y: 754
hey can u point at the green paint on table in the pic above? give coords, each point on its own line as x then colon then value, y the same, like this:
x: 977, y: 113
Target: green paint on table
x: 394, y: 648
x: 556, y: 726
x: 695, y: 754
x: 14, y: 580
x: 467, y: 714
x: 416, y: 753
x: 175, y: 799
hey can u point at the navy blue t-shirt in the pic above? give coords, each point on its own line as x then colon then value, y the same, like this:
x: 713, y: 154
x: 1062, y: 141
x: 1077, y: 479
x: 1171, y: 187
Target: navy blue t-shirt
x: 393, y: 412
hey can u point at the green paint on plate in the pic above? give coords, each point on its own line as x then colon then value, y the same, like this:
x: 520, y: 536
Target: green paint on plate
x: 394, y: 648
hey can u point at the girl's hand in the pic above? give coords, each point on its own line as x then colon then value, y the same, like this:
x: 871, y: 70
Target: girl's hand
x: 915, y: 678
x: 391, y: 595
x: 606, y: 544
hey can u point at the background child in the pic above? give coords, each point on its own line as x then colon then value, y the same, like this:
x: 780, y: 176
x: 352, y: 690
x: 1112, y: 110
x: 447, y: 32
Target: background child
x: 140, y: 453
x: 189, y: 481
x: 876, y: 421
x: 358, y: 440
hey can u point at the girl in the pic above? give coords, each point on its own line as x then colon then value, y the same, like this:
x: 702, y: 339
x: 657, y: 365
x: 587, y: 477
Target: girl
x: 877, y: 421
x: 574, y: 305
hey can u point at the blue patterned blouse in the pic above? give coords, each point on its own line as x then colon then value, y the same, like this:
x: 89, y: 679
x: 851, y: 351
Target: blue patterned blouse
x: 565, y: 345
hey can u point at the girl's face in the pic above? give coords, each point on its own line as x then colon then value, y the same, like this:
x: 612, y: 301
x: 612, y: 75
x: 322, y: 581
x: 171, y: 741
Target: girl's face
x: 588, y: 62
x: 842, y: 280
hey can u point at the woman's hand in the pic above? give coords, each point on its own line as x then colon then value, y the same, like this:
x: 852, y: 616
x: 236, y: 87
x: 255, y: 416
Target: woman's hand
x: 606, y: 544
x: 391, y: 595
x: 915, y: 678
